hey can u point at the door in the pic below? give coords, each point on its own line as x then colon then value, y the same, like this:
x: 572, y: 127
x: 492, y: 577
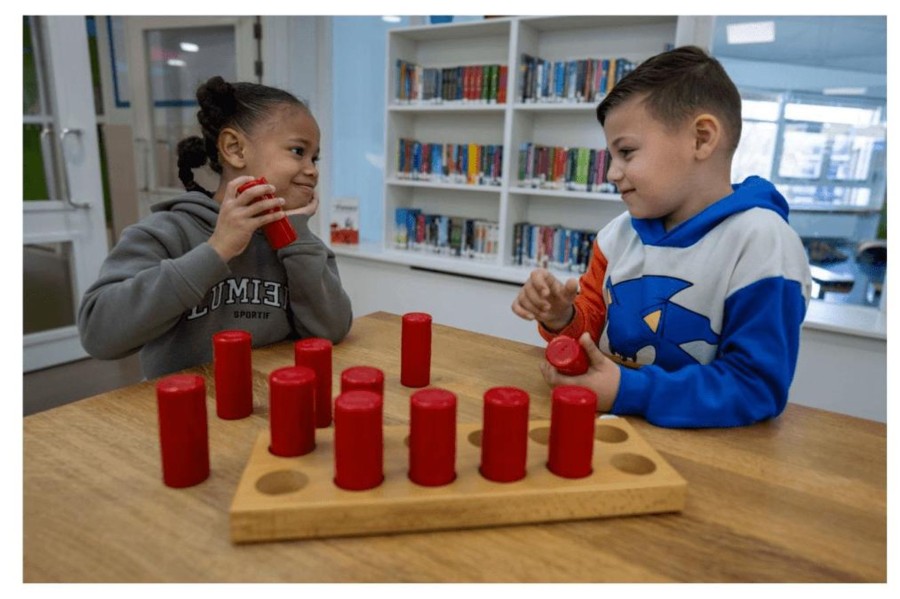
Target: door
x: 168, y: 57
x: 64, y: 230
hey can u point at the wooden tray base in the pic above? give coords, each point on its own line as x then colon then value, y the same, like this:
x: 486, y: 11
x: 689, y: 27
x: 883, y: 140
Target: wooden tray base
x: 293, y: 498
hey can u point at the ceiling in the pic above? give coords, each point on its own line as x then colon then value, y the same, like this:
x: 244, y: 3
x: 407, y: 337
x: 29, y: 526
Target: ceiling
x: 843, y: 43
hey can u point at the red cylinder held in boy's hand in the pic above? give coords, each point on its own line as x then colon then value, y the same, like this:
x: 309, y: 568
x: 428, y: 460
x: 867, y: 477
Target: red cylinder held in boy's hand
x: 183, y: 433
x: 567, y: 356
x: 362, y: 378
x: 432, y: 437
x: 358, y: 440
x: 415, y: 350
x: 279, y: 233
x: 233, y: 373
x: 292, y: 411
x: 572, y: 417
x: 315, y: 353
x: 504, y: 434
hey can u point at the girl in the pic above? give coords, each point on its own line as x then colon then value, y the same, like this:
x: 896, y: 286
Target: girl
x: 200, y: 263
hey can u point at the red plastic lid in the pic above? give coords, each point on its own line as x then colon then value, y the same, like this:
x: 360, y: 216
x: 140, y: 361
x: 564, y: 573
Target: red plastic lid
x: 249, y: 184
x: 567, y: 355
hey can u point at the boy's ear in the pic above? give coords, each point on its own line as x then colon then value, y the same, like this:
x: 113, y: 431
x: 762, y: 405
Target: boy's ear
x: 707, y: 131
x: 231, y: 147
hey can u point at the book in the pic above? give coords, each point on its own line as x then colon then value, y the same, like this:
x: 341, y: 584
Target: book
x: 345, y: 221
x: 551, y: 246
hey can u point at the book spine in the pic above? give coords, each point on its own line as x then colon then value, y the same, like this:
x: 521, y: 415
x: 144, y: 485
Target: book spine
x: 591, y: 168
x: 604, y: 77
x: 484, y: 83
x: 611, y: 76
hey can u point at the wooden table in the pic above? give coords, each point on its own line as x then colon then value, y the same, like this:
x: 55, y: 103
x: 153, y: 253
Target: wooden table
x: 799, y: 498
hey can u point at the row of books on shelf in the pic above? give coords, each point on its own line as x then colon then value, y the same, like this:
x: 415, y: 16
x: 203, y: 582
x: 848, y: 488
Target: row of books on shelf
x: 471, y: 164
x: 585, y: 80
x: 549, y: 246
x: 557, y: 167
x: 484, y: 84
x: 445, y: 235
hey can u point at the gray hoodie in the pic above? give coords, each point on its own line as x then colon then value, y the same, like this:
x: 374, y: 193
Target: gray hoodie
x: 164, y: 291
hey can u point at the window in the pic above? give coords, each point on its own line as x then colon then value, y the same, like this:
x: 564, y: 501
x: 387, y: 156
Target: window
x: 827, y: 157
x: 821, y: 140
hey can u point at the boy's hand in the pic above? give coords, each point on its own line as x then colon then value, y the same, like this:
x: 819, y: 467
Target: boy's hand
x: 602, y: 376
x: 240, y: 216
x: 545, y: 299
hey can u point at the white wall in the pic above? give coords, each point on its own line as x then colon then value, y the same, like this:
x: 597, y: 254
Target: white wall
x: 836, y: 371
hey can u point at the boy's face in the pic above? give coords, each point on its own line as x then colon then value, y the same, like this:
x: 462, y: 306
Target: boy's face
x: 285, y: 149
x: 652, y: 164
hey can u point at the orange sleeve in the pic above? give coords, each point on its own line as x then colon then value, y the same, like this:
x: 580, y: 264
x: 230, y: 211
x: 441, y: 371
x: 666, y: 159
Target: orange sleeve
x: 590, y: 307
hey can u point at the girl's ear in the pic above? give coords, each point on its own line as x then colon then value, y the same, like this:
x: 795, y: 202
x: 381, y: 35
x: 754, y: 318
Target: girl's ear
x: 231, y: 147
x: 707, y: 132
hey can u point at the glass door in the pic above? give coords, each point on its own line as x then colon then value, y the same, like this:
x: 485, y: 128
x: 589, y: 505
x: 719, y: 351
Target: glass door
x: 168, y: 57
x: 64, y: 230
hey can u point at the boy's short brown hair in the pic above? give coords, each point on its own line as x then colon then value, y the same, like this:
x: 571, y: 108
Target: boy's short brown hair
x: 680, y: 84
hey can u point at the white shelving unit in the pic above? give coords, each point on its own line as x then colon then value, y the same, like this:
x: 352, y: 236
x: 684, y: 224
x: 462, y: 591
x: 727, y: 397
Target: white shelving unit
x: 503, y: 41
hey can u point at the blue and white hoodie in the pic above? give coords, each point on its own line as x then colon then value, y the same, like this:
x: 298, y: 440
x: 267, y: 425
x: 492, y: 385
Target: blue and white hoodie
x: 705, y: 318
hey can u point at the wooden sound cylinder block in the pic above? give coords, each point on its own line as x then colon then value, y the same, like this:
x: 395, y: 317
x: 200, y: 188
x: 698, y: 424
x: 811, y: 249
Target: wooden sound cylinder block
x: 294, y: 498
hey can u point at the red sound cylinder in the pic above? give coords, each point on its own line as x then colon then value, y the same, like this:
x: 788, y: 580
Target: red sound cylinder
x: 183, y: 433
x: 572, y: 417
x: 233, y: 374
x: 362, y: 378
x: 504, y: 436
x: 279, y: 233
x: 415, y: 350
x: 292, y: 411
x: 567, y: 356
x: 315, y: 353
x: 358, y: 440
x: 432, y: 437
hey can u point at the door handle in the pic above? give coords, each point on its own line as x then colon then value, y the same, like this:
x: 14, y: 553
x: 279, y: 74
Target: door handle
x: 67, y: 131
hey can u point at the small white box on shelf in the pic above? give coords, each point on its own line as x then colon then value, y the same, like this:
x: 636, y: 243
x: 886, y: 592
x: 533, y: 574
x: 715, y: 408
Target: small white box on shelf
x: 344, y: 226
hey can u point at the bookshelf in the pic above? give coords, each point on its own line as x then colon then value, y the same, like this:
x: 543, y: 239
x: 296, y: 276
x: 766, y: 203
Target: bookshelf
x: 504, y: 41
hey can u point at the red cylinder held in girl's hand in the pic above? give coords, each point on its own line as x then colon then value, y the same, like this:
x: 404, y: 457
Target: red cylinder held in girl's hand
x: 572, y: 417
x: 415, y: 350
x: 567, y: 356
x: 279, y: 233
x: 315, y: 353
x: 183, y: 433
x: 362, y: 378
x: 358, y: 440
x: 233, y: 373
x: 504, y: 434
x: 432, y: 437
x: 292, y: 411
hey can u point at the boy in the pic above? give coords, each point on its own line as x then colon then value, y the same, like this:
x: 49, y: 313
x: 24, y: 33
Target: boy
x: 696, y: 294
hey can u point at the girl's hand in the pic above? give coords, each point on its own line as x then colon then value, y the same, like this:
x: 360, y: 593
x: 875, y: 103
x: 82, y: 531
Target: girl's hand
x: 240, y: 215
x: 545, y: 299
x: 602, y: 376
x: 309, y: 209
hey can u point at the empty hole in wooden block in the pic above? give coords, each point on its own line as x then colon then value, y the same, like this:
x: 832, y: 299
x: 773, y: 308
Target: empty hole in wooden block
x: 610, y: 434
x: 632, y: 463
x: 540, y: 435
x: 475, y: 438
x: 281, y: 482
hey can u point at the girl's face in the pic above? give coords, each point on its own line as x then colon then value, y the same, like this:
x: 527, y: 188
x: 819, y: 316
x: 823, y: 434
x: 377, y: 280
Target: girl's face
x: 285, y: 150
